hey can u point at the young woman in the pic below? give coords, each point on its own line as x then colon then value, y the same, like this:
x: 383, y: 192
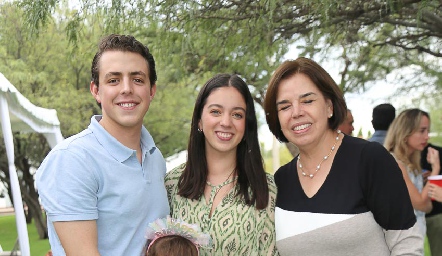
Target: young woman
x: 223, y: 186
x: 406, y: 138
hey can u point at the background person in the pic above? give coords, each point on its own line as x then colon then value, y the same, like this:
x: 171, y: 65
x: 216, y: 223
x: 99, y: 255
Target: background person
x: 406, y: 138
x: 434, y: 218
x: 102, y: 187
x: 435, y: 192
x: 341, y: 195
x: 383, y: 115
x: 347, y: 125
x: 223, y: 187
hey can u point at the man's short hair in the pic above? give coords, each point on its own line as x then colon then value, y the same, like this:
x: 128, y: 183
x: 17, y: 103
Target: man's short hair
x: 383, y: 115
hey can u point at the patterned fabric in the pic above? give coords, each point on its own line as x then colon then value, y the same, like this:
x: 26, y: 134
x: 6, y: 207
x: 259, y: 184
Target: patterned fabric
x: 236, y: 228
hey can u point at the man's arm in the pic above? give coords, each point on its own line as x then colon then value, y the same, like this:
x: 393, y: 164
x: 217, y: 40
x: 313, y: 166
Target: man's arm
x: 78, y: 237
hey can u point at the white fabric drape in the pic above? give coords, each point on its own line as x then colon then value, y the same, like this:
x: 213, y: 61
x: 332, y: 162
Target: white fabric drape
x: 19, y: 114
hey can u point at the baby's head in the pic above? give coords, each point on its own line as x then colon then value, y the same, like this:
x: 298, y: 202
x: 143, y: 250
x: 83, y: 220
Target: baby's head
x: 173, y: 245
x: 172, y: 237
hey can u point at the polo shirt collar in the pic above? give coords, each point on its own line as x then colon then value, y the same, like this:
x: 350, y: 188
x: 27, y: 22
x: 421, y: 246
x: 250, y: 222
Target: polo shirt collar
x: 117, y: 150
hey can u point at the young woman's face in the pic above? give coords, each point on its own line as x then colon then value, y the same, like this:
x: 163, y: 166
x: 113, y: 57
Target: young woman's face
x: 419, y: 139
x: 303, y: 111
x: 223, y: 120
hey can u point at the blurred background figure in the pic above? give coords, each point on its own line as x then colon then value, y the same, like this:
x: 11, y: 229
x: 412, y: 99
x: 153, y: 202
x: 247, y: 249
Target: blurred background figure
x: 347, y: 126
x: 406, y: 139
x: 433, y: 218
x: 383, y: 116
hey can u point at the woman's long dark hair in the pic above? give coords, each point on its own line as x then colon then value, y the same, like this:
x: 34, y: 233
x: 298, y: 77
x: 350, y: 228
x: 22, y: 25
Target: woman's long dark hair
x: 249, y: 162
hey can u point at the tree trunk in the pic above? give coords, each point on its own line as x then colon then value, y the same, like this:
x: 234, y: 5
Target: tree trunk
x: 30, y: 196
x: 34, y: 209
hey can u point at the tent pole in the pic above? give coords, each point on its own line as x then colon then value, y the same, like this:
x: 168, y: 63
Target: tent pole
x: 15, y: 186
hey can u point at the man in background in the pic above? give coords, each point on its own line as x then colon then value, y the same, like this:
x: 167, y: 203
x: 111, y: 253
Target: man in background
x: 383, y: 115
x: 347, y: 126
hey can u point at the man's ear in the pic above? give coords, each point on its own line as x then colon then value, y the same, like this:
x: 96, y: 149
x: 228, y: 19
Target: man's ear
x: 94, y: 91
x: 153, y: 90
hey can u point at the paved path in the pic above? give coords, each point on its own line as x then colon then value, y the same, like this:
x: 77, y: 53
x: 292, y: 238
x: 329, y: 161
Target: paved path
x: 6, y: 211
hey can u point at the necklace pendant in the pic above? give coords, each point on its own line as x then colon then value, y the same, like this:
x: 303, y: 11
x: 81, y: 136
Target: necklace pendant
x: 311, y: 176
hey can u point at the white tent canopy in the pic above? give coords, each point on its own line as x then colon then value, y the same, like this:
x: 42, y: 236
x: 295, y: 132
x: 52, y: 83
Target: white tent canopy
x: 19, y: 114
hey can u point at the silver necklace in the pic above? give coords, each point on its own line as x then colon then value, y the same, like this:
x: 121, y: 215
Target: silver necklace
x: 227, y: 181
x: 311, y: 175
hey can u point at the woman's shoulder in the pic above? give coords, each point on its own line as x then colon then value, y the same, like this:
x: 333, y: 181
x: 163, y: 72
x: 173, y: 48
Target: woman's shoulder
x: 354, y: 144
x: 270, y: 179
x: 271, y: 183
x: 174, y: 174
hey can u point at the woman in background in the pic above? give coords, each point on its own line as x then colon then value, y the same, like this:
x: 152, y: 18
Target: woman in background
x: 407, y: 136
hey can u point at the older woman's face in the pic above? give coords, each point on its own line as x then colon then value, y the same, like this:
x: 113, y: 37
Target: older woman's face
x: 303, y: 111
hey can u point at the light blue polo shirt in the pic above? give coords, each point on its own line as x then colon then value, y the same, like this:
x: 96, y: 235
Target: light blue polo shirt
x: 92, y: 176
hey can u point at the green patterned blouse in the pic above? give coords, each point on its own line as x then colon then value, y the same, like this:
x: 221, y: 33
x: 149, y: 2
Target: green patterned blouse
x: 236, y: 228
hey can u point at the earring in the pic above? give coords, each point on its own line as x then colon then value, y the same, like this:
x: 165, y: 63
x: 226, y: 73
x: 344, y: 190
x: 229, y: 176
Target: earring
x: 200, y: 130
x: 330, y: 116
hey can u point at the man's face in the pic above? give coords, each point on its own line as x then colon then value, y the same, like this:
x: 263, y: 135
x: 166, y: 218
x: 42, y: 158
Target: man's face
x: 347, y: 126
x: 125, y: 91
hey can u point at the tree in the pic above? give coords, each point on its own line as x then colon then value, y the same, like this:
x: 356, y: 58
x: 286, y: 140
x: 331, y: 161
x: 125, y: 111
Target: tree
x: 370, y: 39
x: 51, y: 72
x: 365, y: 40
x: 369, y: 134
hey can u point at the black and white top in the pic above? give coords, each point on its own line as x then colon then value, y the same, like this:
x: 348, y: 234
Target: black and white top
x: 363, y: 207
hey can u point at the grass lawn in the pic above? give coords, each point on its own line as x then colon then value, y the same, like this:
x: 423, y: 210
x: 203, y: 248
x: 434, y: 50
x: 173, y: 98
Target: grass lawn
x: 39, y: 247
x: 8, y: 237
x: 427, y: 248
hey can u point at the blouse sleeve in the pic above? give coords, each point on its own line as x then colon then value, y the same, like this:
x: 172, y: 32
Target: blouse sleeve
x: 171, y: 184
x: 388, y: 199
x: 267, y: 242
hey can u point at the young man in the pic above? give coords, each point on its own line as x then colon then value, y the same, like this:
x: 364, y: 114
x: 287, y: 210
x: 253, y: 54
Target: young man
x: 383, y: 116
x: 102, y: 187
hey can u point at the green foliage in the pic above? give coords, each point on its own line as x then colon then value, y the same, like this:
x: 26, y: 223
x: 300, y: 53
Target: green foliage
x: 435, y: 112
x: 360, y: 135
x: 365, y: 41
x: 53, y: 71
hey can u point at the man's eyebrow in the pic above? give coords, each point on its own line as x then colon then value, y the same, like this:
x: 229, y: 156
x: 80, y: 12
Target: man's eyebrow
x: 112, y: 74
x: 141, y: 73
x: 134, y: 73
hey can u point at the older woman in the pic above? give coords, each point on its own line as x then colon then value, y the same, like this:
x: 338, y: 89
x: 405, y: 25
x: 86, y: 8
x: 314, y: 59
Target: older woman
x: 341, y: 195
